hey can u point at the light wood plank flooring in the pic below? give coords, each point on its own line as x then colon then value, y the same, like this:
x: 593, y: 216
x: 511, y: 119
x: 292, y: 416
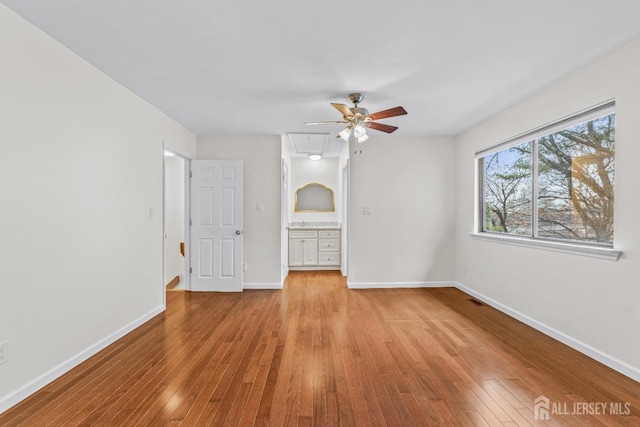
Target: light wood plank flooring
x: 318, y: 354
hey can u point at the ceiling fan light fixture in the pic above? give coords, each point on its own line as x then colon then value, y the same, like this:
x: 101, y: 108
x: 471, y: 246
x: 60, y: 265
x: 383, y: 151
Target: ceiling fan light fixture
x: 315, y: 157
x: 345, y: 133
x: 359, y: 131
x: 358, y: 119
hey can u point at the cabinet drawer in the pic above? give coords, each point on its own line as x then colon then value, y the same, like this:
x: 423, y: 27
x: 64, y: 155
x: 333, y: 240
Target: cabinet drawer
x: 329, y: 259
x: 297, y: 234
x: 328, y: 245
x: 331, y: 234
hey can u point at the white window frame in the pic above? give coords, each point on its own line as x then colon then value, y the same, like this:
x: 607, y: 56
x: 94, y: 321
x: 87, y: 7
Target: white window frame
x: 591, y: 249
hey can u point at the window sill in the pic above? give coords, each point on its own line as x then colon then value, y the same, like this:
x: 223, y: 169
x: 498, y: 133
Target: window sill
x: 568, y: 248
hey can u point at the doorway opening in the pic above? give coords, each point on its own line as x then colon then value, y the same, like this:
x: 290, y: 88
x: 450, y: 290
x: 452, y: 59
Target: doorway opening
x: 175, y: 221
x: 314, y: 227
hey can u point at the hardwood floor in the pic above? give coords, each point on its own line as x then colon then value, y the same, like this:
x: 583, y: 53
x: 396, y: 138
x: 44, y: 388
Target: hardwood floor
x: 319, y: 354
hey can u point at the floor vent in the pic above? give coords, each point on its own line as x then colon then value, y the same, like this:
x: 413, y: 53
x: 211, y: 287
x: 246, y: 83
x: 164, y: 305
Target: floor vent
x: 476, y: 302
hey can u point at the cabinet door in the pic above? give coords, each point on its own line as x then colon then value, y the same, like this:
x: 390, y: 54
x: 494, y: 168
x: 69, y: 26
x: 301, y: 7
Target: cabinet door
x: 310, y: 252
x: 296, y: 251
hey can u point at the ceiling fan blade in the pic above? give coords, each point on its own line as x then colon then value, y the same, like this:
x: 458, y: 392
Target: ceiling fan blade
x: 391, y: 112
x: 381, y: 127
x: 324, y: 123
x: 346, y: 112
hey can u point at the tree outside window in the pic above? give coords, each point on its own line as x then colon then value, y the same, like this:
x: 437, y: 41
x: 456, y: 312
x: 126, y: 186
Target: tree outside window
x: 574, y: 185
x: 507, y: 191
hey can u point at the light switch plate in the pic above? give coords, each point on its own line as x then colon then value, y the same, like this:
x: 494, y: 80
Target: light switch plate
x: 367, y: 210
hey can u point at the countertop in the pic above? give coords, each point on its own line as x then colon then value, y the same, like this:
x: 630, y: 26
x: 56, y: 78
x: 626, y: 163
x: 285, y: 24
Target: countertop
x: 313, y: 225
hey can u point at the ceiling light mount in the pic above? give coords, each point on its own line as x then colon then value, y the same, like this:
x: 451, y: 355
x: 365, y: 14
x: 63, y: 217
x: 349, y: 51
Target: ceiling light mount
x: 356, y: 98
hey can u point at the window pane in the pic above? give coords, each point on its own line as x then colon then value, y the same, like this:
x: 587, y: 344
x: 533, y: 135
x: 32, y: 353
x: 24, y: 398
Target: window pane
x: 507, y: 191
x: 575, y: 182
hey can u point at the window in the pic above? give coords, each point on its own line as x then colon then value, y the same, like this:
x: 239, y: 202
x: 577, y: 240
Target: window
x: 553, y: 184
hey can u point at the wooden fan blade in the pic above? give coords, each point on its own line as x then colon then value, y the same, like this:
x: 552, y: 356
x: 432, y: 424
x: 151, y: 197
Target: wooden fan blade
x: 381, y: 127
x: 324, y: 123
x: 346, y: 112
x: 391, y: 112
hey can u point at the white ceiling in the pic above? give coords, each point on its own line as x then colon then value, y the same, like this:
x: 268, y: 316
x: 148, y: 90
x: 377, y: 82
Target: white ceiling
x: 264, y: 67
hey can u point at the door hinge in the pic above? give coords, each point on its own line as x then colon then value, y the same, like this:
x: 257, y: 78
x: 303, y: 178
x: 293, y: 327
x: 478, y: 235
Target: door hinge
x: 190, y: 270
x: 190, y: 223
x: 190, y: 174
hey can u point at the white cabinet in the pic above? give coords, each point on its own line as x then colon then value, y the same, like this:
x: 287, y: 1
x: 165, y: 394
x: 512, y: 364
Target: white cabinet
x: 310, y: 256
x: 329, y: 259
x: 296, y: 252
x: 303, y: 247
x: 303, y: 252
x: 313, y: 249
x: 329, y: 245
x: 329, y: 234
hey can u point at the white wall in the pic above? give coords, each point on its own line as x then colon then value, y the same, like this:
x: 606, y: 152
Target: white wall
x: 591, y: 301
x: 262, y: 158
x: 409, y: 185
x: 174, y: 219
x: 304, y: 171
x: 80, y: 170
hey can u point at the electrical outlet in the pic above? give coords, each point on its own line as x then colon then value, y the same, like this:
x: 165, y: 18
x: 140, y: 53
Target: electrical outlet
x: 4, y: 352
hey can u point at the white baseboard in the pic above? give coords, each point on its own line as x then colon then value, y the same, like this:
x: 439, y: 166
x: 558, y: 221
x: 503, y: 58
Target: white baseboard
x: 262, y: 286
x: 31, y: 387
x: 606, y: 359
x: 398, y: 285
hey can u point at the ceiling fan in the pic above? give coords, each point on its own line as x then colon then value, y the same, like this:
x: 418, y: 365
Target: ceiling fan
x: 358, y: 119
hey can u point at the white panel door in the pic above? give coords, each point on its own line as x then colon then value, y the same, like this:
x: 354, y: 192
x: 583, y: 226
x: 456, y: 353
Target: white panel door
x: 216, y: 225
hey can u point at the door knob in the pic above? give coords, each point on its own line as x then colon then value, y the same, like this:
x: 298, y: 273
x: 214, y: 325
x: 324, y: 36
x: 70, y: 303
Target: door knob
x: 238, y: 232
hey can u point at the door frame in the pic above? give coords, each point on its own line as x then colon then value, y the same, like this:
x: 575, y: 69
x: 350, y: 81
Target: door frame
x: 344, y: 207
x: 284, y: 222
x: 187, y: 167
